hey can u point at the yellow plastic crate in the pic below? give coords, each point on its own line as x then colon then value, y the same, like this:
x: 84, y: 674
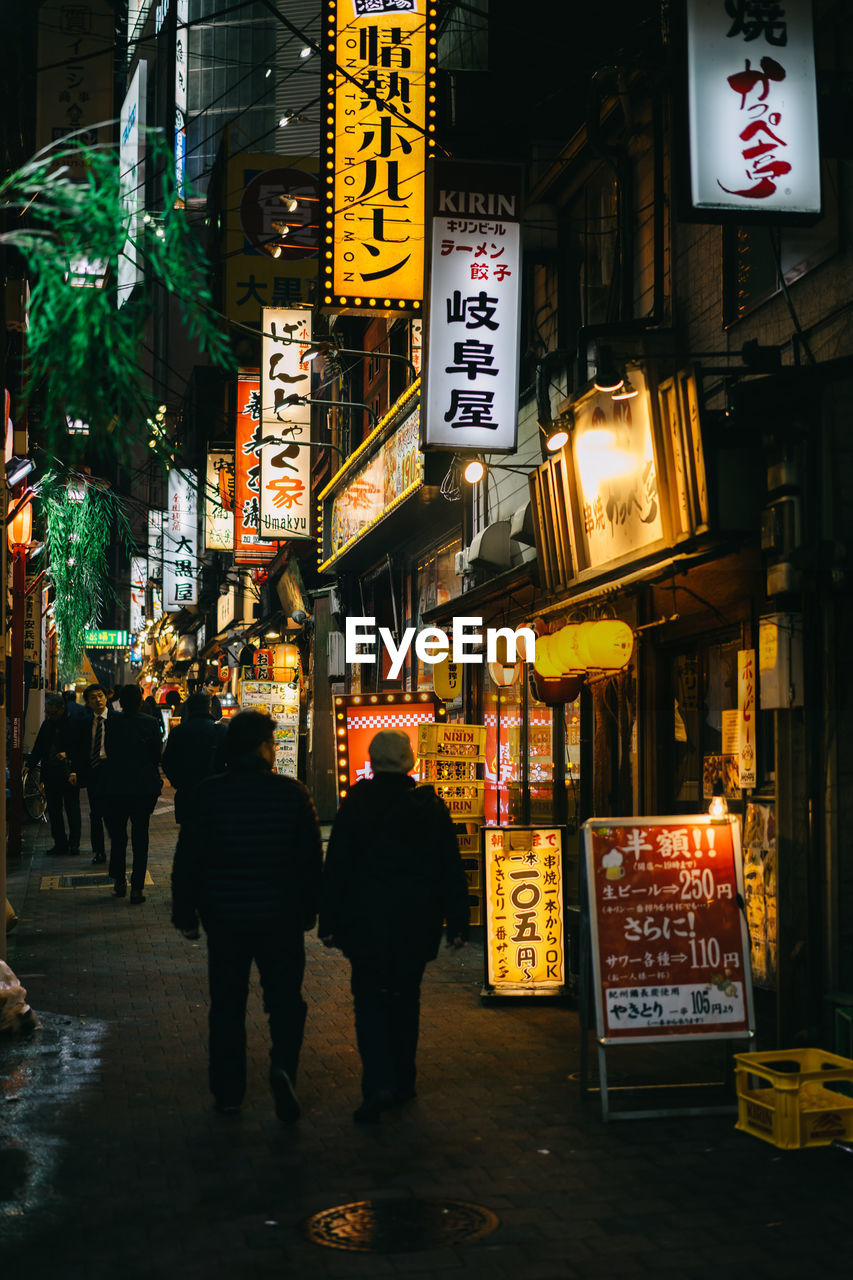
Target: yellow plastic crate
x: 452, y: 741
x: 465, y: 800
x: 805, y: 1098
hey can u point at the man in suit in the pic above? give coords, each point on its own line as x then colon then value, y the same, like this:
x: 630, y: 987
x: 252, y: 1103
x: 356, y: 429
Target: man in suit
x: 91, y: 758
x: 54, y: 751
x: 131, y: 785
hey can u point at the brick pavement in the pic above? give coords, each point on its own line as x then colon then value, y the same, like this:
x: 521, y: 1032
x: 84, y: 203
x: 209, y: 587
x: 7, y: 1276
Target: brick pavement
x: 113, y: 1165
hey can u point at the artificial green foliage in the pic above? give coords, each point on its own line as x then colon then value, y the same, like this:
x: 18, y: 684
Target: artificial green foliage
x: 83, y: 517
x: 85, y: 354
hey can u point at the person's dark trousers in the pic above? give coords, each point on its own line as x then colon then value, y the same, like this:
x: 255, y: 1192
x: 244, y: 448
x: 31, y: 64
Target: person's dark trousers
x: 279, y: 953
x: 387, y: 1015
x: 96, y: 814
x: 59, y: 796
x: 118, y: 811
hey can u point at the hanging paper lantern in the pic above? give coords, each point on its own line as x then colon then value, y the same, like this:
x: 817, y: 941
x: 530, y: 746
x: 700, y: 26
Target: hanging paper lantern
x: 19, y: 531
x: 604, y: 645
x: 504, y: 676
x: 554, y: 693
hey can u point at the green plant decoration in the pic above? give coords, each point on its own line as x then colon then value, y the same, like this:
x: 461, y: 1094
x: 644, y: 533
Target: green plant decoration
x: 86, y: 354
x: 82, y: 518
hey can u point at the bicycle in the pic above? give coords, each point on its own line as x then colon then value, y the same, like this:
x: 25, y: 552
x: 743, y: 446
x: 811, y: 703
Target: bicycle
x: 35, y: 805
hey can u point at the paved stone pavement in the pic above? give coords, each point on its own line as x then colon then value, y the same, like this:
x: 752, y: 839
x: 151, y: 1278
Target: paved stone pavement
x: 112, y: 1163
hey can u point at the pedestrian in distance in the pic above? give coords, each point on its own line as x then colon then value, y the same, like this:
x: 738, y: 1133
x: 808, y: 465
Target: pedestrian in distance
x: 149, y: 708
x: 248, y: 866
x: 55, y: 752
x: 132, y: 784
x: 195, y: 750
x: 92, y: 756
x: 392, y: 876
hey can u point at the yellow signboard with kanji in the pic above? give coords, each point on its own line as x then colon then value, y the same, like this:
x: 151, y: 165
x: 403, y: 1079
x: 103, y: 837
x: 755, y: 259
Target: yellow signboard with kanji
x: 525, y: 951
x: 380, y: 125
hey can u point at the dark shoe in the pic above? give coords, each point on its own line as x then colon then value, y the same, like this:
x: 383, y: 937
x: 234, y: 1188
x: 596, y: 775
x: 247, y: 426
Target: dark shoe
x: 136, y: 896
x: 227, y: 1108
x: 287, y: 1106
x: 99, y: 857
x: 372, y: 1107
x: 120, y: 888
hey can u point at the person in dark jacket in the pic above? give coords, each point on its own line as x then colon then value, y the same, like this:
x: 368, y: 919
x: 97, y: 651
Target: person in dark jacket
x: 55, y: 751
x: 195, y: 750
x: 131, y: 786
x: 149, y: 708
x: 248, y: 865
x: 92, y: 756
x: 392, y: 876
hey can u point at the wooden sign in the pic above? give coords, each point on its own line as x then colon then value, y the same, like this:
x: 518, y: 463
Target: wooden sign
x: 670, y: 948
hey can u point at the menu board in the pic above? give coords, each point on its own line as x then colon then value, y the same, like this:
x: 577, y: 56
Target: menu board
x: 281, y: 701
x: 670, y: 948
x: 525, y: 952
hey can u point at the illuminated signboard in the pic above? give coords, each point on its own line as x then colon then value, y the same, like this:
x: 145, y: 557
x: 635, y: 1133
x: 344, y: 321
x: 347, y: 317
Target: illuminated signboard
x: 670, y: 943
x: 616, y: 474
x: 281, y: 702
x: 131, y: 180
x: 181, y: 85
x: 138, y: 580
x: 471, y: 399
x: 752, y: 110
x: 248, y: 547
x: 105, y: 639
x: 180, y: 542
x: 525, y: 952
x: 359, y: 717
x: 380, y: 111
x: 285, y: 475
x: 219, y: 501
x: 391, y: 474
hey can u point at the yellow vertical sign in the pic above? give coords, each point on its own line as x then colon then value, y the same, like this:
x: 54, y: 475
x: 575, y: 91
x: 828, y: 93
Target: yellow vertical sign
x: 525, y: 950
x: 379, y: 129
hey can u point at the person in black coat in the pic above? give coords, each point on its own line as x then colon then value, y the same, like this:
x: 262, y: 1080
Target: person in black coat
x: 91, y: 758
x: 131, y: 786
x: 195, y: 750
x: 392, y: 876
x: 248, y: 865
x: 55, y: 751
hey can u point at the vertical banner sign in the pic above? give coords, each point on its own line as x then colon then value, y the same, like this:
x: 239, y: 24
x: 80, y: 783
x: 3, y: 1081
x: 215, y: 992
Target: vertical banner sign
x: 380, y: 113
x: 219, y: 501
x: 33, y: 628
x: 752, y: 101
x: 132, y: 180
x: 746, y: 716
x: 670, y: 948
x: 524, y: 910
x: 248, y: 548
x: 285, y: 480
x: 155, y: 545
x: 180, y: 543
x: 181, y: 74
x: 138, y: 578
x: 474, y: 310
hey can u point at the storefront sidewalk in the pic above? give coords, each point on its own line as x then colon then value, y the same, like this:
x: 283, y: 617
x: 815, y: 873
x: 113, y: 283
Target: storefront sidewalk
x: 112, y: 1162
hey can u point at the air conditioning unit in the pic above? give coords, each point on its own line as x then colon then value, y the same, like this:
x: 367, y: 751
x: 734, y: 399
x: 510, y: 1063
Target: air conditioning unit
x: 337, y: 655
x: 460, y: 563
x: 490, y: 547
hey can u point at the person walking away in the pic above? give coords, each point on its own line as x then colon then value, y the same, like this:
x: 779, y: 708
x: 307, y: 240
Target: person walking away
x: 149, y: 708
x: 248, y: 865
x: 132, y: 784
x: 392, y: 876
x: 91, y: 758
x: 195, y: 750
x: 54, y: 750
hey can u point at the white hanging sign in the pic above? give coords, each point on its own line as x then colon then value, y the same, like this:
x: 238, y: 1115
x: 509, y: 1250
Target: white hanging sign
x: 752, y: 101
x: 180, y: 543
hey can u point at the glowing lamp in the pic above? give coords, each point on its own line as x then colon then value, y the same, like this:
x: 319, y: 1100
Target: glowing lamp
x: 718, y: 809
x: 286, y: 662
x: 19, y: 530
x: 604, y: 645
x: 503, y: 676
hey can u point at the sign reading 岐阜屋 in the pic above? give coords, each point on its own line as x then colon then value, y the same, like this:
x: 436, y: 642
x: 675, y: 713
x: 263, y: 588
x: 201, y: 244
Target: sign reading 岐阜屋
x: 380, y: 113
x: 752, y: 109
x: 471, y: 399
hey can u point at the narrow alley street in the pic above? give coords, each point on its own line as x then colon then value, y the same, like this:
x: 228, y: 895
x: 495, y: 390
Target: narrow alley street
x: 112, y: 1163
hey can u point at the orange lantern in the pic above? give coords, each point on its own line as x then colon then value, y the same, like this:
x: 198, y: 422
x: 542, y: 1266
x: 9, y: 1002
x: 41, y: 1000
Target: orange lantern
x: 504, y: 676
x: 286, y: 662
x: 19, y: 530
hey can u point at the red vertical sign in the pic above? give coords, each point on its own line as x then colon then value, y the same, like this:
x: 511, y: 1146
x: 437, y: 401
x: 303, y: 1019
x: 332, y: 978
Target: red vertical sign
x: 248, y: 548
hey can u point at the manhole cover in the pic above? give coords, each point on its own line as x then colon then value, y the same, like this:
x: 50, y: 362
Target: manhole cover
x: 399, y: 1226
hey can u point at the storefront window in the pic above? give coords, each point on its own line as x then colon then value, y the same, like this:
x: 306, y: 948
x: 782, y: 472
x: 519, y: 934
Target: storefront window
x: 436, y: 583
x: 503, y: 721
